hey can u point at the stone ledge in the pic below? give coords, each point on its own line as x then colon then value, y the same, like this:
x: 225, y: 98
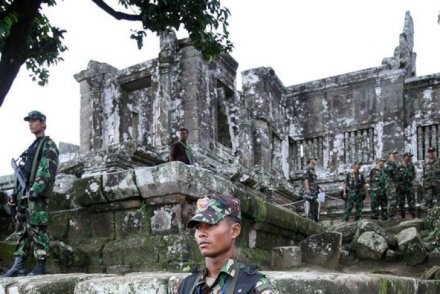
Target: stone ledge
x: 165, y: 282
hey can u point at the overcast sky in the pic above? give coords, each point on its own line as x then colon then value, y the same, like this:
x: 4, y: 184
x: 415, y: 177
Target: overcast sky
x: 300, y: 40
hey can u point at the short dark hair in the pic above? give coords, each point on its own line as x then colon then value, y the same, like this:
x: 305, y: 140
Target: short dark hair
x: 184, y: 129
x: 232, y: 219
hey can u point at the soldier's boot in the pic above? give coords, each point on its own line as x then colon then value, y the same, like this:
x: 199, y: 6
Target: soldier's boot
x: 17, y: 269
x: 39, y: 269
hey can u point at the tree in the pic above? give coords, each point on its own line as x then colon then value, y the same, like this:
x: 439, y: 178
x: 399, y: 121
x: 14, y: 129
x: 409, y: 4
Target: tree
x: 27, y: 37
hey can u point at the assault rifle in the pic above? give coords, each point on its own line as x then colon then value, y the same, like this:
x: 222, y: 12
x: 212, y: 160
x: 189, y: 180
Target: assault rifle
x: 21, y: 186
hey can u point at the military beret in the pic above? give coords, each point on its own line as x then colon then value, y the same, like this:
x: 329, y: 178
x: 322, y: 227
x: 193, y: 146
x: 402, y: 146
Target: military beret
x: 431, y: 149
x: 35, y: 115
x: 408, y: 154
x: 381, y: 159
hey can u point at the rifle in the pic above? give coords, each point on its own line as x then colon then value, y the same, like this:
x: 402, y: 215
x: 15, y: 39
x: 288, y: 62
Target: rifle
x: 21, y: 185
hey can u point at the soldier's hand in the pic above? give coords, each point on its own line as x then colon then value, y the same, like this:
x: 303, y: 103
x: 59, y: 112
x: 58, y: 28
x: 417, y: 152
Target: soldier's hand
x: 11, y: 202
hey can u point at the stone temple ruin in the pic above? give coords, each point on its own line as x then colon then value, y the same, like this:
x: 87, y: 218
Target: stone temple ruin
x: 119, y: 206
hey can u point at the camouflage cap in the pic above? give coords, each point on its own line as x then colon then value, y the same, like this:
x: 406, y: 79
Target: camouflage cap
x: 431, y: 149
x: 213, y: 208
x: 393, y: 151
x: 409, y: 154
x: 35, y: 115
x: 381, y: 159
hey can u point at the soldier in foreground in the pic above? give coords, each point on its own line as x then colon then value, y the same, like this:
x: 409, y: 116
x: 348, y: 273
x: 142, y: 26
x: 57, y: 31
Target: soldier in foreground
x: 354, y: 191
x: 377, y: 191
x: 431, y: 179
x: 36, y: 171
x: 217, y: 223
x: 391, y: 181
x: 405, y: 189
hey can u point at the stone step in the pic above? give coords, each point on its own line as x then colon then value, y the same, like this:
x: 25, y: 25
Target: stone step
x: 165, y: 282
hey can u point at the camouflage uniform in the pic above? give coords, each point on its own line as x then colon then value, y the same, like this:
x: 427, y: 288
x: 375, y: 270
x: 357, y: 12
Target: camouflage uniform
x: 391, y: 181
x: 355, y: 183
x: 407, y: 173
x: 311, y: 205
x: 431, y: 182
x: 32, y: 212
x: 211, y: 210
x: 377, y: 194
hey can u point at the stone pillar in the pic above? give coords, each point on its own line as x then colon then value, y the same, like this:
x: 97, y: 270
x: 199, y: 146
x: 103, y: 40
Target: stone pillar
x: 91, y: 109
x: 167, y: 58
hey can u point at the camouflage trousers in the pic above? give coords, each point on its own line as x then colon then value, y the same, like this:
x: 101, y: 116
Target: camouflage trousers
x: 312, y: 209
x: 378, y: 200
x: 31, y: 228
x: 432, y: 195
x: 391, y: 194
x: 354, y: 198
x: 406, y: 192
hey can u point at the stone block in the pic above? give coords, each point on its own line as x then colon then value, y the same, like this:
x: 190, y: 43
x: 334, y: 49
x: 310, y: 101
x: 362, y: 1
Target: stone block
x: 88, y: 191
x: 411, y: 246
x: 369, y: 226
x: 322, y: 249
x: 370, y: 245
x: 59, y: 225
x: 286, y: 257
x: 120, y: 185
x: 419, y: 224
x: 63, y: 195
x: 348, y: 230
x: 131, y: 222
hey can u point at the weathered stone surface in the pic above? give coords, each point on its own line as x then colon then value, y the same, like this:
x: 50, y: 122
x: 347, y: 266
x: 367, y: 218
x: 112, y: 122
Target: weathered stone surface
x: 348, y: 230
x: 419, y: 224
x: 89, y: 191
x: 322, y: 249
x: 366, y: 226
x: 392, y: 255
x: 286, y: 257
x: 431, y: 273
x: 370, y: 245
x: 120, y: 185
x: 63, y: 196
x: 411, y: 246
x: 433, y: 218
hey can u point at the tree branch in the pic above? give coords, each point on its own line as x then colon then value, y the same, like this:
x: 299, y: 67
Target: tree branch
x: 116, y: 14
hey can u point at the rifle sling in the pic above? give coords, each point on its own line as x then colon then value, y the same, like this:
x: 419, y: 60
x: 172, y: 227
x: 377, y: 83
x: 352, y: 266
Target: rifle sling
x: 37, y: 158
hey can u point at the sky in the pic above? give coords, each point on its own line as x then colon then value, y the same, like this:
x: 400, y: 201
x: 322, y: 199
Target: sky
x: 301, y: 40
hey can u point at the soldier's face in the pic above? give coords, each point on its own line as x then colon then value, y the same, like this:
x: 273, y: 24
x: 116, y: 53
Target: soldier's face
x: 36, y: 126
x: 218, y: 239
x: 431, y: 155
x: 357, y: 167
x: 407, y: 159
x: 380, y: 163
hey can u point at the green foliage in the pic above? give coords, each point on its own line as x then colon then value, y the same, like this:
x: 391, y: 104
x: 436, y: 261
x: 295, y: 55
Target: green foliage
x: 26, y: 35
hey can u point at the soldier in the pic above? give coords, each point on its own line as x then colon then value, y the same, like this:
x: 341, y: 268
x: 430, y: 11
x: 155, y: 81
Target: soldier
x: 391, y: 181
x: 407, y: 174
x: 354, y: 191
x: 311, y: 190
x: 377, y: 191
x: 180, y: 151
x: 431, y: 178
x: 38, y: 165
x: 217, y: 223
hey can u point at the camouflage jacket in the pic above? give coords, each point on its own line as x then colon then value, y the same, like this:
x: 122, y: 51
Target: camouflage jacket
x: 377, y: 179
x: 391, y: 170
x: 407, y: 173
x: 431, y: 172
x: 310, y: 175
x: 355, y: 182
x: 43, y: 177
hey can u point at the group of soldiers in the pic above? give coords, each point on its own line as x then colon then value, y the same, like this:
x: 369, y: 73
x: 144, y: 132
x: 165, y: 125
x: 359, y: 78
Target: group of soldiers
x: 391, y: 186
